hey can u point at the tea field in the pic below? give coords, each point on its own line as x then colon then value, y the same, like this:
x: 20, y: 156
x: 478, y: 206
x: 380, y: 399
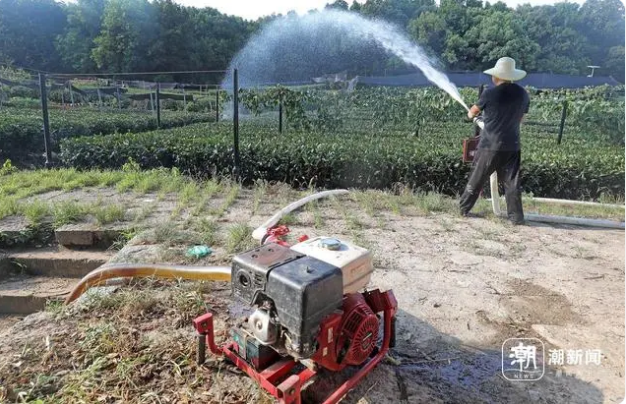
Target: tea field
x: 21, y: 128
x: 369, y: 138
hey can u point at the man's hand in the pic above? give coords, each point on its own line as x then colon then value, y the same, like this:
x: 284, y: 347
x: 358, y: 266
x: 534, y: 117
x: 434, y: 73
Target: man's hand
x: 473, y: 112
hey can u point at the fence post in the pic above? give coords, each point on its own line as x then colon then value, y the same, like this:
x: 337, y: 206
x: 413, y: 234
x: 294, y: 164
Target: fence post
x: 184, y: 99
x: 158, y: 104
x: 562, y: 125
x: 119, y: 99
x: 280, y: 115
x: 217, y: 104
x: 99, y: 99
x: 69, y: 82
x: 46, y: 121
x: 236, y: 170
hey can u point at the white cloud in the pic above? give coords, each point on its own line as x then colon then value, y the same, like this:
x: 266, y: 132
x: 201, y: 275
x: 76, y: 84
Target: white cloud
x: 253, y: 9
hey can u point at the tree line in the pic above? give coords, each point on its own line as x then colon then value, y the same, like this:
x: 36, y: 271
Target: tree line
x: 88, y: 36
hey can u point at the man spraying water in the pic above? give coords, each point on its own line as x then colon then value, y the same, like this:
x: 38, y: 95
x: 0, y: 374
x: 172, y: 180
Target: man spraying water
x: 503, y: 108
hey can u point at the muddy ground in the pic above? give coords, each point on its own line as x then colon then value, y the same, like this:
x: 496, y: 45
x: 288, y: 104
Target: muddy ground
x: 464, y: 286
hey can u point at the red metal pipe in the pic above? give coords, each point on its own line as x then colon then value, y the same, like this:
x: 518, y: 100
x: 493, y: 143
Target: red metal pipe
x: 204, y: 326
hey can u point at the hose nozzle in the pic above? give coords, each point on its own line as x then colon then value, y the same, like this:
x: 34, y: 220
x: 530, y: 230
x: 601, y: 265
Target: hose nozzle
x: 478, y: 121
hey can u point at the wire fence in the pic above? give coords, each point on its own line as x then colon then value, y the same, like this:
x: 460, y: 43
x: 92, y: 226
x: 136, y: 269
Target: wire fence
x: 86, y: 104
x: 386, y: 111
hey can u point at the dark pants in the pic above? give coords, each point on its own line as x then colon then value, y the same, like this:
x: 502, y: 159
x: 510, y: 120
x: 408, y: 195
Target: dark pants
x: 506, y: 164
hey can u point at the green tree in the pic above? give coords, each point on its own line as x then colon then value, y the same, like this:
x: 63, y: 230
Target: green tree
x: 356, y: 7
x: 396, y: 11
x: 75, y: 45
x: 338, y: 5
x: 615, y: 63
x: 128, y: 30
x: 602, y: 22
x: 173, y: 44
x: 429, y: 30
x: 563, y: 49
x: 216, y: 38
x: 498, y: 34
x: 28, y: 30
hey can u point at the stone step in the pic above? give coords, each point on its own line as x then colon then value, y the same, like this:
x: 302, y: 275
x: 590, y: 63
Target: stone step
x: 53, y: 262
x: 25, y: 294
x: 86, y: 235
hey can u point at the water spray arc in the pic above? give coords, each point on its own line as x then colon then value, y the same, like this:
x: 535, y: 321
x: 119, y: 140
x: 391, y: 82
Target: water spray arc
x: 273, y: 55
x: 257, y: 63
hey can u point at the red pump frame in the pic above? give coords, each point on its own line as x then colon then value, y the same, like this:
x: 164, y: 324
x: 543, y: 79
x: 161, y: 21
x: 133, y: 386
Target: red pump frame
x: 288, y: 391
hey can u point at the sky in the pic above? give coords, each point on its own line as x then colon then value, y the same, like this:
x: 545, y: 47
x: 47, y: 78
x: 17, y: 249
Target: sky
x: 253, y: 9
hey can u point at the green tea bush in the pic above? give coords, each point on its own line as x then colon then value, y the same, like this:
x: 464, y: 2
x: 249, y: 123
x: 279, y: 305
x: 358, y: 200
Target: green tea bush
x: 21, y: 131
x: 430, y: 163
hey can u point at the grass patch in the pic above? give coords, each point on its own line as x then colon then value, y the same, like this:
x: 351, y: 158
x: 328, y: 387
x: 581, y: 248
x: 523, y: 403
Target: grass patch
x: 260, y: 190
x: 8, y: 207
x: 189, y: 194
x: 575, y: 210
x: 392, y: 203
x: 373, y: 201
x: 314, y: 208
x: 405, y: 196
x: 124, y: 237
x: 188, y: 300
x: 477, y: 248
x: 434, y: 202
x: 109, y: 214
x: 36, y: 211
x: 32, y: 236
x: 231, y: 197
x: 208, y: 190
x: 366, y: 202
x: 289, y: 219
x: 56, y: 307
x: 67, y: 212
x: 169, y: 234
x: 352, y: 222
x: 239, y: 238
x: 446, y: 224
x: 206, y: 230
x: 145, y: 211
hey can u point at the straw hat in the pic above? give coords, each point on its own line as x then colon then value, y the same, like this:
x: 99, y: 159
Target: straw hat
x: 505, y: 70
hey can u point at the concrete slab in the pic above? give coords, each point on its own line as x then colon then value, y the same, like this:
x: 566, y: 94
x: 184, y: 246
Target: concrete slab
x: 87, y: 235
x: 15, y: 231
x: 24, y: 294
x: 83, y: 238
x: 53, y: 262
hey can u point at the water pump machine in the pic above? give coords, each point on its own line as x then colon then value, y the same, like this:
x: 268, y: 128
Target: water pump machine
x: 308, y: 311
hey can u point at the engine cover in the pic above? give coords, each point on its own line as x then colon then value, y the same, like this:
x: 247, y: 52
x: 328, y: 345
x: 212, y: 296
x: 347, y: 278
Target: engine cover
x: 304, y: 291
x: 250, y: 270
x: 299, y: 290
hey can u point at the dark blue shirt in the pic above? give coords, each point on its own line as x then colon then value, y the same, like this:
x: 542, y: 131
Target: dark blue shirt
x: 502, y: 108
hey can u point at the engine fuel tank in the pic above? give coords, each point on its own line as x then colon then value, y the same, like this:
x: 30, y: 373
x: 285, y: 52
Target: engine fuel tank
x: 355, y: 262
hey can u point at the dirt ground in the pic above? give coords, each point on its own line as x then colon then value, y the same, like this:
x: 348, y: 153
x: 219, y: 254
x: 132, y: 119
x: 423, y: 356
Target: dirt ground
x: 464, y: 286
